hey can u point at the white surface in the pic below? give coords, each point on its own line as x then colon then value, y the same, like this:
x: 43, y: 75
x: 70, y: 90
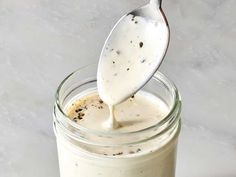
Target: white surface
x: 43, y: 40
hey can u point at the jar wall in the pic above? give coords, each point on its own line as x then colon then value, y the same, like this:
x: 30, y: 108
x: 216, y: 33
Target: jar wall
x: 83, y: 153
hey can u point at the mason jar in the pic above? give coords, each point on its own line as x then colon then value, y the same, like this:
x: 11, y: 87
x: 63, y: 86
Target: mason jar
x: 81, y: 150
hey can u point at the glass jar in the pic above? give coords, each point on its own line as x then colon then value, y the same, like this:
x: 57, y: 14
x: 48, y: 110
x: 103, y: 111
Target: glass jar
x: 81, y: 151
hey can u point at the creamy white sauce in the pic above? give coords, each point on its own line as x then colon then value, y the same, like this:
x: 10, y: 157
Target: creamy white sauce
x: 136, y: 113
x: 131, y: 55
x: 111, y: 123
x: 150, y: 159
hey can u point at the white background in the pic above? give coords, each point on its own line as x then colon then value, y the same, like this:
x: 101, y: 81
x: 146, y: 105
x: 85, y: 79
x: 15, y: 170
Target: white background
x: 41, y: 41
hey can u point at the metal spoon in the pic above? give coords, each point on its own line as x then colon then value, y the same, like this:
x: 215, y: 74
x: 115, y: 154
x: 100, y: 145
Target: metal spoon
x: 132, y: 52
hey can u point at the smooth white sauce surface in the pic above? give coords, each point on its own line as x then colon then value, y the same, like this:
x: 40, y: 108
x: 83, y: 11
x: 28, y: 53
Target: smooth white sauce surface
x: 136, y: 113
x: 151, y: 158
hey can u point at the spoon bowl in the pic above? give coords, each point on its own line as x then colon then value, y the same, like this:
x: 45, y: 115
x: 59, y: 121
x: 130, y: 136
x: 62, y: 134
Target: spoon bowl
x: 132, y: 52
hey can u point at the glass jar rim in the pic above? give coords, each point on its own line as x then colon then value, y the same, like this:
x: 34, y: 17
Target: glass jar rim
x: 174, y: 110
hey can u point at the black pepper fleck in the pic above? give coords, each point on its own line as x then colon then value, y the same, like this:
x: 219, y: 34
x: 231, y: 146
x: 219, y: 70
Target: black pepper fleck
x: 133, y: 18
x: 113, y: 62
x: 100, y: 101
x: 80, y: 115
x: 100, y: 107
x: 78, y: 110
x: 127, y: 69
x: 141, y: 44
x: 138, y: 150
x: 136, y: 22
x: 118, y: 52
x: 119, y: 153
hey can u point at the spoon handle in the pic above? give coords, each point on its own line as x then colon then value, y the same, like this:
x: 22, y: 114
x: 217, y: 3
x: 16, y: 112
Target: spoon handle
x: 156, y: 2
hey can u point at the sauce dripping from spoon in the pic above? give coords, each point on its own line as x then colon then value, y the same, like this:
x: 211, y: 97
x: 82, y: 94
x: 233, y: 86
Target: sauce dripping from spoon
x: 131, y: 55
